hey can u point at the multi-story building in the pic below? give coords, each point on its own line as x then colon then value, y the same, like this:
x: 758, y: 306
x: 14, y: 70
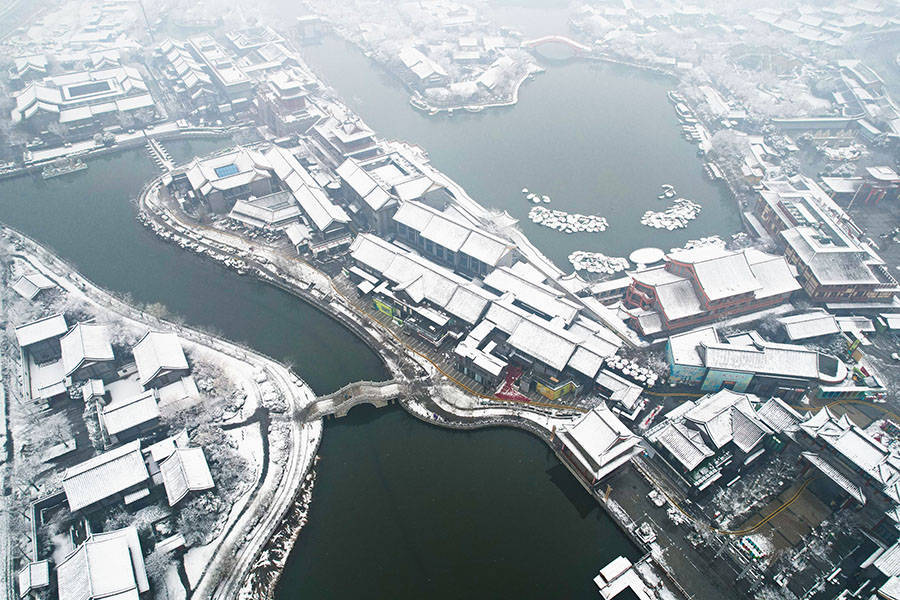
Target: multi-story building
x: 858, y: 468
x: 254, y: 175
x: 82, y: 102
x: 187, y: 77
x: 833, y: 259
x: 375, y: 187
x: 230, y: 81
x: 718, y: 435
x: 340, y: 136
x: 451, y: 240
x: 748, y: 362
x: 531, y: 326
x: 597, y: 444
x: 283, y: 103
x: 706, y: 284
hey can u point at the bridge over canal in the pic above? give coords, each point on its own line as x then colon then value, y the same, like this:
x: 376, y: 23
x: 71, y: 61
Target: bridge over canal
x: 375, y: 393
x: 536, y: 43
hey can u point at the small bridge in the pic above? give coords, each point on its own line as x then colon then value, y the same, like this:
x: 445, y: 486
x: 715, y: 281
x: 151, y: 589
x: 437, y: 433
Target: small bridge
x: 375, y: 393
x: 578, y: 47
x: 159, y: 154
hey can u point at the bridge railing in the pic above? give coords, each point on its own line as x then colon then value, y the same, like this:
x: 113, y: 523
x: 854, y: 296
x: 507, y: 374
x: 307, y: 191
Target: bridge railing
x: 351, y: 394
x: 354, y: 386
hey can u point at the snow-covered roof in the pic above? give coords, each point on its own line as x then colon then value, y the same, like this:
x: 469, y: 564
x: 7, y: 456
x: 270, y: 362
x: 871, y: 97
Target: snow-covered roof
x: 858, y: 448
x: 772, y: 273
x: 539, y: 339
x: 585, y: 362
x: 830, y: 266
x: 157, y: 352
x: 33, y: 576
x: 779, y: 360
x: 30, y: 285
x: 306, y: 190
x: 891, y: 320
x: 484, y: 360
x: 855, y: 324
x: 834, y: 473
x: 678, y: 299
x: 685, y: 445
x: 92, y: 388
x: 453, y: 233
x: 619, y: 389
x: 106, y: 566
x: 84, y: 95
x: 228, y: 171
x: 600, y: 441
x: 104, y: 475
x: 467, y: 303
x: 810, y: 324
x: 297, y: 233
x: 420, y: 278
x: 271, y: 210
x: 85, y: 343
x: 685, y: 346
x: 422, y: 66
x: 888, y: 562
x: 727, y: 416
x: 185, y: 470
x: 125, y: 413
x: 359, y: 180
x: 40, y: 330
x: 537, y: 296
x: 721, y: 274
x: 778, y: 416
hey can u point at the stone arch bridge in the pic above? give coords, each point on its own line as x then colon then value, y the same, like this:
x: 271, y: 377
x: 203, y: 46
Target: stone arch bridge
x: 375, y: 393
x: 578, y: 47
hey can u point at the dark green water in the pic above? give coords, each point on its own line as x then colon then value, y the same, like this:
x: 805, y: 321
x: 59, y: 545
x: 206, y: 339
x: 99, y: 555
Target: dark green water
x: 86, y: 218
x: 597, y: 138
x: 403, y: 510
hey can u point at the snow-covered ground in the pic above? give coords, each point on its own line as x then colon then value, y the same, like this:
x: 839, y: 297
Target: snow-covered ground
x: 292, y: 450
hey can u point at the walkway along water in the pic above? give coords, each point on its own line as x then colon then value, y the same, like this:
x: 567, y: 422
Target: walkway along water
x: 534, y: 417
x: 560, y: 573
x: 274, y: 494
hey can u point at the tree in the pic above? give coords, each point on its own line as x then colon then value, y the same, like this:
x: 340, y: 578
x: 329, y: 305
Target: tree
x: 58, y: 129
x: 198, y: 518
x: 126, y: 120
x: 156, y: 565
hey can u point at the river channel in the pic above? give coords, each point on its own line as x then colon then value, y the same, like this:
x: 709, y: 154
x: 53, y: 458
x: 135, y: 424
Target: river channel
x: 87, y: 219
x: 402, y: 509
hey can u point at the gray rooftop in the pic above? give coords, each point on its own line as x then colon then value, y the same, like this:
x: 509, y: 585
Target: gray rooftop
x: 104, y: 475
x: 43, y: 329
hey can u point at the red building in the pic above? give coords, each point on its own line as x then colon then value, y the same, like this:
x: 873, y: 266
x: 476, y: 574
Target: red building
x: 704, y: 285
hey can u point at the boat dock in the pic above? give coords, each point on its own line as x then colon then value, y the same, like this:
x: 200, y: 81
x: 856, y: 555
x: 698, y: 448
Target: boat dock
x: 159, y: 154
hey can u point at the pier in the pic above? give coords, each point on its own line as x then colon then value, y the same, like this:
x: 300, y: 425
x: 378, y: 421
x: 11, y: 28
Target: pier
x: 159, y: 154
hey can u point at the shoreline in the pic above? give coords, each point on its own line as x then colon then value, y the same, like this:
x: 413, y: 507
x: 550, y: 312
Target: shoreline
x: 131, y: 143
x: 275, y: 542
x: 420, y: 104
x: 282, y: 546
x: 240, y: 541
